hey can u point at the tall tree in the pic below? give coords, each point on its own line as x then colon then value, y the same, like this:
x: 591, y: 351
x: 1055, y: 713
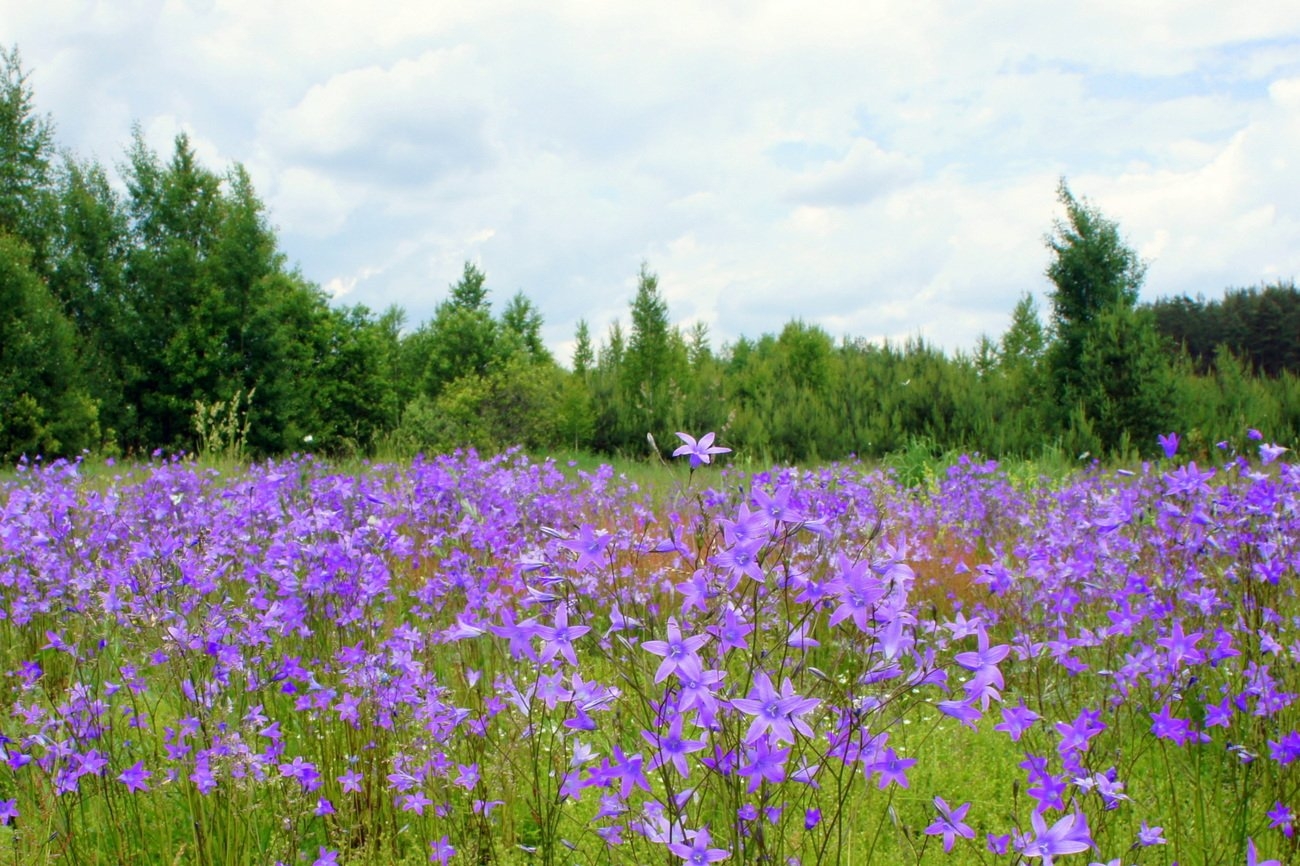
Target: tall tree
x: 583, y: 357
x: 462, y: 337
x: 1092, y: 270
x: 46, y: 411
x: 26, y: 160
x: 521, y: 329
x: 175, y: 212
x: 88, y: 276
x: 1103, y: 371
x: 654, y: 363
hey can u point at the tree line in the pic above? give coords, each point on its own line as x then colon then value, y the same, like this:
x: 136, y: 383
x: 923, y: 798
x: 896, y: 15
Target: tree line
x: 158, y: 312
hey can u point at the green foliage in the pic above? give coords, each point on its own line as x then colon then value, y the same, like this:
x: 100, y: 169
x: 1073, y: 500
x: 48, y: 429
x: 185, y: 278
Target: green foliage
x: 47, y: 411
x: 222, y: 427
x: 122, y: 311
x: 653, y: 367
x: 521, y: 331
x: 1125, y: 387
x: 537, y: 406
x: 462, y: 339
x: 583, y: 357
x: 1258, y: 325
x: 26, y: 157
x: 1105, y: 360
x: 1092, y: 271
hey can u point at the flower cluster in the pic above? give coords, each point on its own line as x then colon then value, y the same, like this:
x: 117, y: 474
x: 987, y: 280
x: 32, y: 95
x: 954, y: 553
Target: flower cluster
x: 461, y: 656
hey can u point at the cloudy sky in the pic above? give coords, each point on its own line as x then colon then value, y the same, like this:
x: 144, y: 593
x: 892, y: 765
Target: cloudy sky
x: 884, y: 169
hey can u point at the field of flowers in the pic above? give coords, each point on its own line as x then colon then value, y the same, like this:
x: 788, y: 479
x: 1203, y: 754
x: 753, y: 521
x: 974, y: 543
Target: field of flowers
x: 470, y: 660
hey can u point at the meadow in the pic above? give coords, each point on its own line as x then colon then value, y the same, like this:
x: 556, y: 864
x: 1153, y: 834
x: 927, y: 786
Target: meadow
x: 471, y: 659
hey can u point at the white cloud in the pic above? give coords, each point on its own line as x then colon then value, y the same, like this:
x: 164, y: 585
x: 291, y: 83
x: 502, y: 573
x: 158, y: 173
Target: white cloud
x: 881, y: 169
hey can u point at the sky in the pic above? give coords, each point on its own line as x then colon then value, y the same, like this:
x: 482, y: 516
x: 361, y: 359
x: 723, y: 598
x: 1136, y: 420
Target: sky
x: 885, y: 170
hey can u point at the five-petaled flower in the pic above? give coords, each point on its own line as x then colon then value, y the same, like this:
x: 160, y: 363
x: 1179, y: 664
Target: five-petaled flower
x: 700, y: 451
x: 950, y: 823
x: 699, y: 853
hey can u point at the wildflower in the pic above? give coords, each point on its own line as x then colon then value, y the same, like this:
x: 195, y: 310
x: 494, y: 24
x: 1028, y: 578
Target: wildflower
x: 1016, y: 720
x: 672, y: 748
x: 699, y: 852
x: 1282, y: 818
x: 859, y: 591
x: 764, y: 764
x: 950, y: 824
x: 1269, y: 453
x: 328, y: 857
x: 442, y: 851
x: 680, y: 655
x: 135, y: 777
x: 558, y: 639
x: 415, y: 802
x: 892, y: 769
x: 1069, y: 835
x: 1148, y: 836
x: 1168, y: 444
x: 589, y: 545
x: 774, y: 712
x: 8, y: 810
x: 1252, y: 856
x: 350, y: 782
x: 701, y: 451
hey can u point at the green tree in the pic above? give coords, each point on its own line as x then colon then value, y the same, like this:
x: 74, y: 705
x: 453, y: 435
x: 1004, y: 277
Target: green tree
x: 653, y: 368
x: 1103, y: 373
x: 583, y: 356
x: 47, y: 411
x: 88, y: 261
x: 175, y: 211
x: 462, y: 338
x: 1126, y: 388
x: 26, y: 160
x: 1092, y: 270
x: 1025, y: 340
x: 521, y: 330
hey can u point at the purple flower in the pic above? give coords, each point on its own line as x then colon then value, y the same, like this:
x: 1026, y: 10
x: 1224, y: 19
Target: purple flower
x: 1269, y: 453
x: 859, y: 591
x: 1252, y: 856
x: 680, y: 655
x: 741, y: 560
x: 589, y: 545
x: 950, y: 824
x: 8, y: 810
x: 135, y: 777
x: 558, y: 639
x: 303, y: 771
x: 892, y: 769
x: 672, y: 748
x: 701, y: 451
x: 777, y: 713
x: 1168, y: 444
x: 351, y: 782
x: 962, y: 711
x: 1016, y: 720
x: 1280, y: 817
x: 328, y: 857
x: 442, y: 851
x: 415, y: 802
x: 1148, y: 836
x: 699, y: 852
x: 764, y: 764
x: 1069, y: 835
